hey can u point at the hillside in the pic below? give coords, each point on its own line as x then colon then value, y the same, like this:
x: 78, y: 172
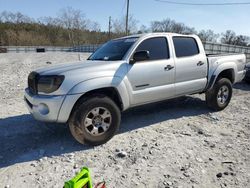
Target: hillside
x: 32, y: 34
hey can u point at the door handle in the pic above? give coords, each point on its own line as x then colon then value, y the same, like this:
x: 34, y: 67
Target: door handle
x: 200, y: 63
x: 168, y: 67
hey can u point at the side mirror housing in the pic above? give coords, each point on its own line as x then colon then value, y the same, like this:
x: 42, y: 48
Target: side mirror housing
x: 140, y: 56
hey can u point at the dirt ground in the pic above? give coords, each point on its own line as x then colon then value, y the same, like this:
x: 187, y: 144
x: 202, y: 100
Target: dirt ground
x: 177, y: 143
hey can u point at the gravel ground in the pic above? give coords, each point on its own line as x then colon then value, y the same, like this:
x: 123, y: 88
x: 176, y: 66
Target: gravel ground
x: 176, y: 143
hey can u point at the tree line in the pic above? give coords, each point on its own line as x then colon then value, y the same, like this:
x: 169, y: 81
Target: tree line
x: 72, y: 28
x: 227, y: 37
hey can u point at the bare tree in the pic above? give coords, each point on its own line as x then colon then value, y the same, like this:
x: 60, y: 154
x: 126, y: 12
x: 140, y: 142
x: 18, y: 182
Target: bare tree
x: 162, y: 26
x: 143, y: 29
x: 118, y: 25
x: 230, y: 37
x: 93, y: 26
x: 74, y: 20
x: 16, y: 18
x: 50, y: 21
x: 1, y: 17
x: 242, y: 40
x: 54, y: 27
x: 168, y: 25
x: 208, y: 35
x: 4, y: 40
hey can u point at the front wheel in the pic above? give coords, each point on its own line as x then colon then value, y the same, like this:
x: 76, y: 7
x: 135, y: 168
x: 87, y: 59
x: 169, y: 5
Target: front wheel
x: 95, y: 120
x: 220, y: 95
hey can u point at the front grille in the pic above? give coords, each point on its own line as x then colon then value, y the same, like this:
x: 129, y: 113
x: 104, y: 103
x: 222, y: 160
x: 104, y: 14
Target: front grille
x: 32, y: 82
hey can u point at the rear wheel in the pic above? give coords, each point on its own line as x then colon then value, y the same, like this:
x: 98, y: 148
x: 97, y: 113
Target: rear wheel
x: 95, y: 120
x: 220, y: 95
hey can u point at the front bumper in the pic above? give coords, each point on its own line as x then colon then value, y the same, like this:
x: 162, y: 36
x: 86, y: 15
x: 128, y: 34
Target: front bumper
x: 43, y: 107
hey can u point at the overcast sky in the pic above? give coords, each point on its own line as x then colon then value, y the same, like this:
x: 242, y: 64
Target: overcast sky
x: 217, y: 18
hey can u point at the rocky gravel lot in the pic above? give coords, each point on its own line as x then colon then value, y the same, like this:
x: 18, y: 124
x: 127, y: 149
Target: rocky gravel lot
x: 177, y: 143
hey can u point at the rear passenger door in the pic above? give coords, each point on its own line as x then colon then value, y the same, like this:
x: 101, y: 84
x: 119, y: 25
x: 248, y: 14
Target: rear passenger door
x: 191, y: 66
x: 153, y: 79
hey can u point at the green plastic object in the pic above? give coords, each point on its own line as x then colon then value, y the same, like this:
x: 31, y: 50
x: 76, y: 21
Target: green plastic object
x: 81, y: 180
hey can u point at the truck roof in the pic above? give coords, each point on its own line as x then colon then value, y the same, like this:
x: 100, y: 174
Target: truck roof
x: 155, y: 34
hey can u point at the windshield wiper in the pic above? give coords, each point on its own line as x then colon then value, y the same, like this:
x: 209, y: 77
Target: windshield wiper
x: 100, y: 59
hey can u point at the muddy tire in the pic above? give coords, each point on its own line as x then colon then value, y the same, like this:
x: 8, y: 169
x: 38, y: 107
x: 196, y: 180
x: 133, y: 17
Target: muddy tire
x: 95, y: 120
x: 220, y: 95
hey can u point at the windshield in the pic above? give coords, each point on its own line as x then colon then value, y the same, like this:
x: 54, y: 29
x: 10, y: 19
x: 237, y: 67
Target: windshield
x: 113, y: 50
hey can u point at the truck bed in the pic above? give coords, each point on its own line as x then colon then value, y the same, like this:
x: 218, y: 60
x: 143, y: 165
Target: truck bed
x: 215, y: 60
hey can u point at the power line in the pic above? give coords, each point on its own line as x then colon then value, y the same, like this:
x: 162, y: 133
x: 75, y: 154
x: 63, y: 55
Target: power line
x: 204, y: 4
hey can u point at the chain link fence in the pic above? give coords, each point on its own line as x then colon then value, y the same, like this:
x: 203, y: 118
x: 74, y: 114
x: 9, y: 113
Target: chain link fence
x: 210, y: 48
x: 16, y: 49
x: 216, y: 48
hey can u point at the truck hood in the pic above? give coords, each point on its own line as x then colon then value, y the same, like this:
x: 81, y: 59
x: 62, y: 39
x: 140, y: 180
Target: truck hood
x: 75, y: 73
x: 83, y: 66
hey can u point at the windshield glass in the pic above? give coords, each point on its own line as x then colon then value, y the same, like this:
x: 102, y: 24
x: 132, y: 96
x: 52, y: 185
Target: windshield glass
x: 113, y: 50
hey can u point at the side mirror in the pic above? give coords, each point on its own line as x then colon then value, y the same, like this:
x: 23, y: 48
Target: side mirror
x: 140, y: 56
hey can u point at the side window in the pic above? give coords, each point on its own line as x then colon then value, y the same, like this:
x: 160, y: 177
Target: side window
x: 185, y: 46
x: 157, y: 47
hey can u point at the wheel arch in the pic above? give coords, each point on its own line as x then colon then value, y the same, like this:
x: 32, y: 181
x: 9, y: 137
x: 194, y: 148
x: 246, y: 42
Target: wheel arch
x: 223, y: 72
x: 110, y: 92
x: 228, y: 73
x: 113, y: 88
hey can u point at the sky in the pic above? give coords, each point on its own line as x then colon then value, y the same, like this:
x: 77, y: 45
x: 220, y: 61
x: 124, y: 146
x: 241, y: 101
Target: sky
x: 217, y: 18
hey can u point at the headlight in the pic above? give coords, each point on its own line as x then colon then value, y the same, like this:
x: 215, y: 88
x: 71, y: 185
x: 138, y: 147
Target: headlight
x: 49, y: 83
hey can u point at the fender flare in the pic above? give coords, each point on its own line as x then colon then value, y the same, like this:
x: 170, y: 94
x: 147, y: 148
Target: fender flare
x: 103, y: 82
x: 78, y: 90
x: 220, y: 69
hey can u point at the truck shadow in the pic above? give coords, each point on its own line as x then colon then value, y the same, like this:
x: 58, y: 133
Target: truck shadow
x: 146, y: 115
x: 242, y: 86
x: 24, y: 139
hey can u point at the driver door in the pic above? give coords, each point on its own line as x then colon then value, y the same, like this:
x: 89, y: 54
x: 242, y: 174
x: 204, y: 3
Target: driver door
x: 152, y: 79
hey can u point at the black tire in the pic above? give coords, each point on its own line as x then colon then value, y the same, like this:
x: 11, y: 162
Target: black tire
x: 82, y: 112
x: 214, y: 96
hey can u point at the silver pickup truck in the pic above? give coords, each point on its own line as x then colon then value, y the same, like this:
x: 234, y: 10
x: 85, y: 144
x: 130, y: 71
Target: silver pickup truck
x: 128, y: 72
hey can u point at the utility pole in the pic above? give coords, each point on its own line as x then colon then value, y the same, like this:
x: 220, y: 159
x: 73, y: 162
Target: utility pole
x: 127, y: 17
x: 109, y: 27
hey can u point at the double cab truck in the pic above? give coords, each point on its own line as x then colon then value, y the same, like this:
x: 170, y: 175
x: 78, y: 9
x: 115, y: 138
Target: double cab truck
x: 128, y: 72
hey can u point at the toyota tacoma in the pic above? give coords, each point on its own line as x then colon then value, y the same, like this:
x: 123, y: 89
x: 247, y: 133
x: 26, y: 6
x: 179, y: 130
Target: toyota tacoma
x: 128, y: 72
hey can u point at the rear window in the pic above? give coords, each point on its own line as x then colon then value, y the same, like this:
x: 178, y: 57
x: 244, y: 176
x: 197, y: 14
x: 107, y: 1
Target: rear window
x: 185, y: 46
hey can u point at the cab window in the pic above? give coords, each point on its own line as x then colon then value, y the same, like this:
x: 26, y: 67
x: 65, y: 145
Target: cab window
x: 185, y: 46
x: 157, y: 47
